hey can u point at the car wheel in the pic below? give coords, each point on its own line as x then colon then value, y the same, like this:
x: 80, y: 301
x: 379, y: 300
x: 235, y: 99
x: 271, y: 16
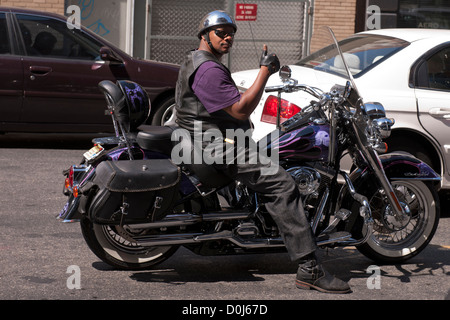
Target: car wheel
x: 165, y: 114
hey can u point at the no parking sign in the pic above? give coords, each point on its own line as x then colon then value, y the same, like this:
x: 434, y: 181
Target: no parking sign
x: 246, y: 12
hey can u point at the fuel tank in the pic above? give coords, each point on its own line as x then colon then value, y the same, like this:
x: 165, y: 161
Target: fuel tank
x: 309, y: 143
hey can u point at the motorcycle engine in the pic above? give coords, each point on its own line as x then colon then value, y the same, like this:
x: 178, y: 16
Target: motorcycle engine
x: 307, y: 179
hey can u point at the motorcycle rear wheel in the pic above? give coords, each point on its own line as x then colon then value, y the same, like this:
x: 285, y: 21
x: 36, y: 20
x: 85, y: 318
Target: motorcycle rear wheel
x: 113, y: 246
x: 397, y: 239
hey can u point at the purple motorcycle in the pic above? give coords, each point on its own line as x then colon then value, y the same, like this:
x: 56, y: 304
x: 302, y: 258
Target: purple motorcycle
x: 136, y: 204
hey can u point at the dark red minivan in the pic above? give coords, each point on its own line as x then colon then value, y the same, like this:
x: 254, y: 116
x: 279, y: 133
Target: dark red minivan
x: 49, y: 75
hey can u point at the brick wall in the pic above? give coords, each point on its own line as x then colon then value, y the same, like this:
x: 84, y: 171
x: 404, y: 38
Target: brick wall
x: 56, y: 6
x: 339, y: 15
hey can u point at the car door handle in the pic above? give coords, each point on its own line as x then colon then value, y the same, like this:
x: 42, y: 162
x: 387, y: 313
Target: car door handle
x: 40, y: 71
x: 443, y: 113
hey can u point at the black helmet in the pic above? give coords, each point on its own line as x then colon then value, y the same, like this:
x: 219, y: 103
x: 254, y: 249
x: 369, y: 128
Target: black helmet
x: 215, y: 18
x: 137, y: 105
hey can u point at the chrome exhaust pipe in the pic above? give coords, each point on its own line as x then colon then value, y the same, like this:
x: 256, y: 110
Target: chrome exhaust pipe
x: 178, y: 220
x: 167, y: 239
x: 191, y: 238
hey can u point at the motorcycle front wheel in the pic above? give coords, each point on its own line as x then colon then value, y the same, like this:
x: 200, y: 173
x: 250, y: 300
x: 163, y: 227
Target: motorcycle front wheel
x: 115, y: 246
x: 396, y: 239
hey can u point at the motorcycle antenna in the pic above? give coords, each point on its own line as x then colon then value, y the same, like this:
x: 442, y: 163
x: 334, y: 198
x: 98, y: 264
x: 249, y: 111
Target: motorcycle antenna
x: 253, y: 38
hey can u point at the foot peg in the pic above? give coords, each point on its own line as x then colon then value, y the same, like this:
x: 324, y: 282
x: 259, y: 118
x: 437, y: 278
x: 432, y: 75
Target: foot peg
x: 339, y: 216
x: 332, y: 237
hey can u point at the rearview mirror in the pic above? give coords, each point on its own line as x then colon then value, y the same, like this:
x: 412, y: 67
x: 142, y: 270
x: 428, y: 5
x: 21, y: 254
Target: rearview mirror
x: 106, y: 54
x: 285, y: 73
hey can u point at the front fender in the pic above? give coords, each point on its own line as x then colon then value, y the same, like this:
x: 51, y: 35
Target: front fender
x: 397, y: 166
x: 402, y: 165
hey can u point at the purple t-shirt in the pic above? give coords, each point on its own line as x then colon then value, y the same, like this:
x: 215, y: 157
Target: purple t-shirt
x: 214, y: 87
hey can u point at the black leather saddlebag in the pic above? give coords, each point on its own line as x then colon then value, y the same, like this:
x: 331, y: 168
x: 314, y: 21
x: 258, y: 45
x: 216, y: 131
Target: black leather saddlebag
x: 134, y: 191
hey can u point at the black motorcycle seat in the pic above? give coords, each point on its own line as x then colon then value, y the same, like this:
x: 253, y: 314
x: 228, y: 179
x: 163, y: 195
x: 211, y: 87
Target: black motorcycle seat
x: 155, y: 138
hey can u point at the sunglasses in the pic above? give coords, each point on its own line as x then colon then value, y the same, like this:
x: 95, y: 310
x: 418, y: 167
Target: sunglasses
x: 222, y: 34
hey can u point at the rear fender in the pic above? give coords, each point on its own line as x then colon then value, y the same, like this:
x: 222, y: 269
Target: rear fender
x: 70, y: 213
x: 81, y: 181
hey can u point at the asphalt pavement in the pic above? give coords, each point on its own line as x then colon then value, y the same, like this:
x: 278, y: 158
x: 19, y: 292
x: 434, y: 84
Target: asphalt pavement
x: 42, y: 259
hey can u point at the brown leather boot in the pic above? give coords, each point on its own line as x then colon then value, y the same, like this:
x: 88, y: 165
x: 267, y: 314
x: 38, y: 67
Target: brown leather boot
x: 311, y: 275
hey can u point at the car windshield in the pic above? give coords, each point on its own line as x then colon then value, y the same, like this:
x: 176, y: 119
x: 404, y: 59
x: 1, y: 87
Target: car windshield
x: 361, y: 52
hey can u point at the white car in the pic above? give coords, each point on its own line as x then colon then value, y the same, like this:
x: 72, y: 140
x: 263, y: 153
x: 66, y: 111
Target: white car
x: 407, y: 70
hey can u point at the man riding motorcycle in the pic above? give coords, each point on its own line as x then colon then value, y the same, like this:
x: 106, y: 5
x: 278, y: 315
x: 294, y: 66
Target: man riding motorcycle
x: 207, y: 94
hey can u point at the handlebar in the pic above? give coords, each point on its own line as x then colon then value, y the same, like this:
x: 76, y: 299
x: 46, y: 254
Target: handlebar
x: 280, y: 88
x: 292, y: 87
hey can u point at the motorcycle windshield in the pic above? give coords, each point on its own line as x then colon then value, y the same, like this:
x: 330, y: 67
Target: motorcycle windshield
x: 332, y: 59
x: 362, y: 51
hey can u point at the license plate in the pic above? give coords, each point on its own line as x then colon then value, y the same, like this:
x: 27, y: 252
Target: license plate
x: 93, y: 152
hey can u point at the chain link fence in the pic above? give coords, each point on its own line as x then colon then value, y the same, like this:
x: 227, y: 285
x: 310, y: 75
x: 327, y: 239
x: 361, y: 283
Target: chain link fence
x: 282, y: 25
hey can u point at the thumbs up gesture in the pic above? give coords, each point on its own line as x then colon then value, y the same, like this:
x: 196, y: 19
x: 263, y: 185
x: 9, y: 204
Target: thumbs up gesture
x: 269, y: 60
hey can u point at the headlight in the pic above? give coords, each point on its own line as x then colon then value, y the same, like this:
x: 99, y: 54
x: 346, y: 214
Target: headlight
x: 374, y: 110
x: 383, y: 126
x: 378, y: 127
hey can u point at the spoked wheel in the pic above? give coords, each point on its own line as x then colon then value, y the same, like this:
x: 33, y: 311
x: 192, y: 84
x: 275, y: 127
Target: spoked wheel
x: 395, y: 238
x: 115, y: 246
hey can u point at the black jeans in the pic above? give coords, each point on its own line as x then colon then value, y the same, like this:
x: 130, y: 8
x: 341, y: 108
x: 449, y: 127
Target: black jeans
x: 283, y: 201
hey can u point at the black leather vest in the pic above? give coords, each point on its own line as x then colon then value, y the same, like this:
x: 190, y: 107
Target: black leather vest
x: 190, y: 109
